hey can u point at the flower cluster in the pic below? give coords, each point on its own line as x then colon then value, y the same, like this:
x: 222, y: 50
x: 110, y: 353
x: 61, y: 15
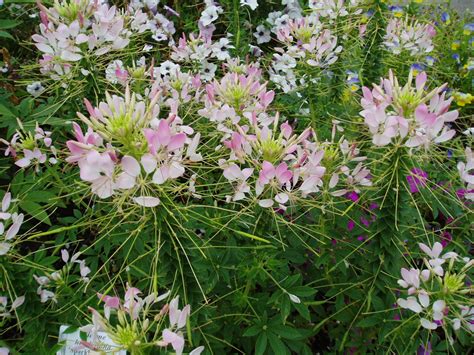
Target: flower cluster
x: 410, y: 115
x: 443, y: 280
x: 31, y: 149
x: 69, y: 30
x: 306, y: 42
x: 145, y: 17
x: 127, y: 147
x: 286, y: 165
x: 201, y: 51
x: 58, y: 278
x: 4, y: 312
x: 176, y: 88
x: 407, y: 35
x: 333, y: 9
x: 135, y: 323
x: 12, y: 221
x: 236, y: 96
x: 73, y: 30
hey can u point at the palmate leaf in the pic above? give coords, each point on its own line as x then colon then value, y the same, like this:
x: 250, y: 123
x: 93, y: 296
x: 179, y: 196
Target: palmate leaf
x: 4, y: 34
x: 35, y: 210
x: 7, y: 24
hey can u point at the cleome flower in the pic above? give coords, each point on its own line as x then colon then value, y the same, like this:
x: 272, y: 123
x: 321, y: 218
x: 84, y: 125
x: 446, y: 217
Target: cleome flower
x: 466, y: 172
x: 10, y: 224
x: 50, y: 283
x: 306, y: 43
x: 410, y: 36
x: 133, y: 324
x: 31, y: 148
x: 445, y: 281
x: 409, y: 115
x: 74, y: 33
x: 284, y: 166
x: 4, y: 311
x: 234, y: 97
x: 71, y: 30
x: 127, y: 147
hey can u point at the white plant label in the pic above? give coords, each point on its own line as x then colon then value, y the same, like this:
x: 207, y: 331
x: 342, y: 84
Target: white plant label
x: 73, y: 344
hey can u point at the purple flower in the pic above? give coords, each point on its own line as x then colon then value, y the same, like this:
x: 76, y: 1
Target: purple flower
x: 353, y: 196
x: 446, y: 237
x: 350, y: 225
x: 417, y: 179
x: 424, y: 351
x: 373, y: 206
x: 364, y: 221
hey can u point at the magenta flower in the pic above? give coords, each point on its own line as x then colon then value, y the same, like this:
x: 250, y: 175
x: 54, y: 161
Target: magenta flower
x: 417, y: 179
x: 353, y: 196
x: 350, y: 225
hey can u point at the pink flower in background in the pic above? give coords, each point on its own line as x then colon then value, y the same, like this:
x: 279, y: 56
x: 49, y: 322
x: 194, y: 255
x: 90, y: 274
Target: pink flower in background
x: 411, y: 36
x: 30, y: 149
x: 407, y: 114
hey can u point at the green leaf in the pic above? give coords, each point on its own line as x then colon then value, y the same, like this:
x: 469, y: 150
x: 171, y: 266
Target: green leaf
x: 35, y: 210
x: 40, y: 196
x: 276, y: 344
x: 286, y: 332
x: 261, y: 344
x: 369, y: 322
x: 71, y: 329
x: 4, y: 111
x: 303, y: 310
x: 252, y: 331
x: 57, y: 347
x: 5, y: 24
x: 302, y: 291
x: 83, y: 335
x: 5, y: 34
x: 285, y: 307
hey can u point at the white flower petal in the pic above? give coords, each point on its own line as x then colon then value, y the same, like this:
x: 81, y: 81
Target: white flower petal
x: 147, y: 201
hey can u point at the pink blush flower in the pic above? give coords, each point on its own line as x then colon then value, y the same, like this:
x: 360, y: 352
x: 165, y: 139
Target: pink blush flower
x: 176, y: 340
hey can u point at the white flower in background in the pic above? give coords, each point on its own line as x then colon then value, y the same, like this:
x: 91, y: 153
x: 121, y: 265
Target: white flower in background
x: 281, y: 22
x: 262, y: 34
x: 448, y: 287
x: 253, y: 4
x: 272, y: 16
x: 4, y: 312
x: 35, y: 89
x: 466, y: 172
x: 169, y: 68
x: 209, y: 15
x: 208, y: 71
